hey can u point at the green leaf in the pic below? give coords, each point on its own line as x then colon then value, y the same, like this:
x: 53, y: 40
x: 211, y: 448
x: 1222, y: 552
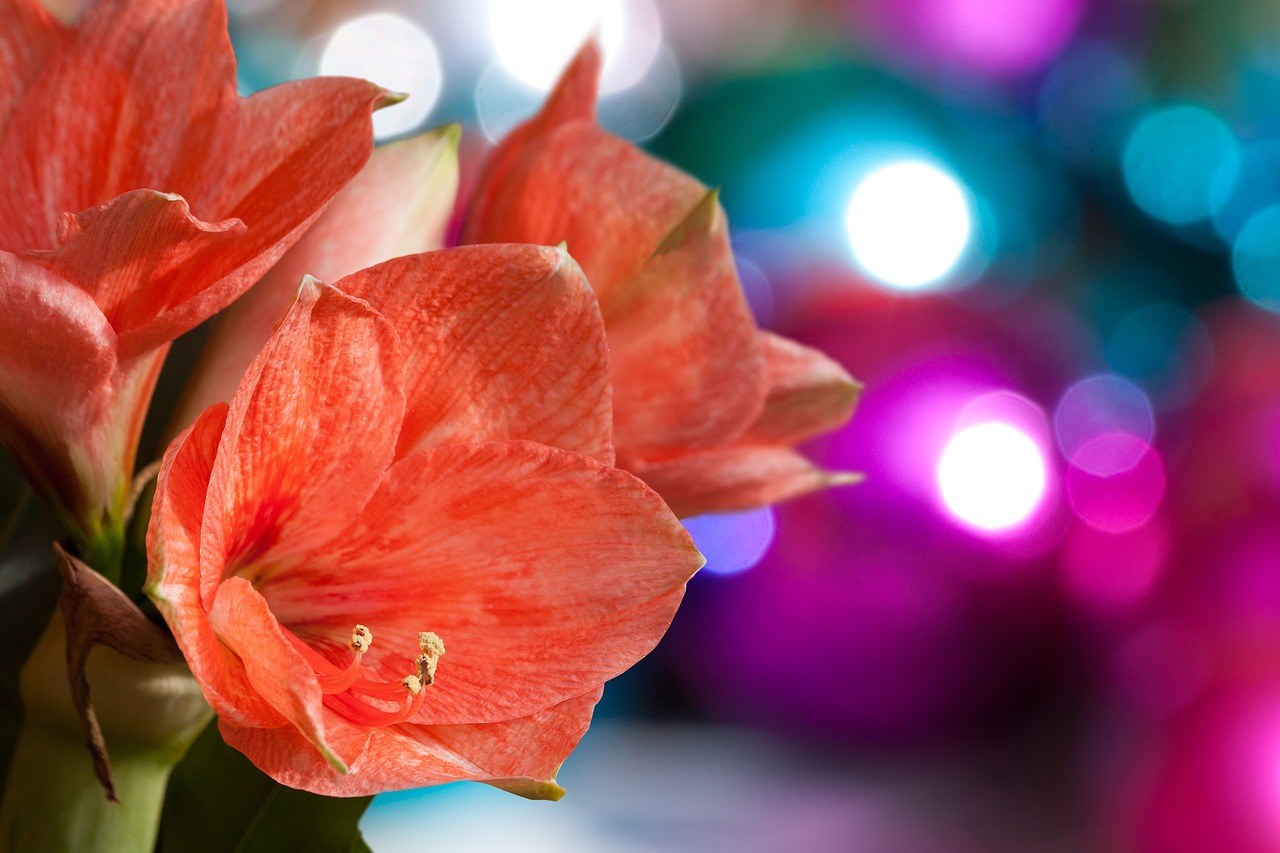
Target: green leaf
x: 218, y: 802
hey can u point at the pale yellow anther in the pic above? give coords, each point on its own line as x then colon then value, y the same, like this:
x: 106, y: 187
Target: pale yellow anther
x: 430, y: 644
x: 413, y: 684
x: 361, y: 639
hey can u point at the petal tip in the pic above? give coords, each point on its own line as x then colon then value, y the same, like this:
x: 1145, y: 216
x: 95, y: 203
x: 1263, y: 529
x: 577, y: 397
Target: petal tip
x: 704, y: 219
x: 531, y: 789
x: 387, y: 98
x: 451, y: 135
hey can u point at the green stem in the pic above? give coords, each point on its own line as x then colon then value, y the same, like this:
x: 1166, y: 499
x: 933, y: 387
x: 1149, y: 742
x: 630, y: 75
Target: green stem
x: 104, y: 551
x: 149, y: 713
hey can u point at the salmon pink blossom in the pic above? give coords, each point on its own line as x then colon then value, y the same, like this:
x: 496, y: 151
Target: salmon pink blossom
x: 707, y: 407
x: 417, y: 461
x: 138, y: 195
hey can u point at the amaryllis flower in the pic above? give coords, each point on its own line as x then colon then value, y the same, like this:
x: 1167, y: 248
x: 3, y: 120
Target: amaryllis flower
x: 706, y: 406
x: 138, y: 195
x: 420, y: 453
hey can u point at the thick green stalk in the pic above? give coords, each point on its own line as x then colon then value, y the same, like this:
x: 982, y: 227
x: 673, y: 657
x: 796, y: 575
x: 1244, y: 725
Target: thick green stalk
x: 149, y: 713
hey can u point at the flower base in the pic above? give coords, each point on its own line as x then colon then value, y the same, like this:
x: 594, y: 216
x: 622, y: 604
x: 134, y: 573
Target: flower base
x: 149, y: 713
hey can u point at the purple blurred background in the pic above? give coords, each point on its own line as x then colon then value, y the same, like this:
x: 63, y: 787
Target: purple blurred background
x: 1046, y: 235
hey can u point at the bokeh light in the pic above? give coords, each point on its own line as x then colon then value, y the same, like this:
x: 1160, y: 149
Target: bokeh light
x: 637, y: 107
x: 999, y: 35
x: 733, y: 542
x: 1174, y: 158
x: 1166, y: 349
x: 1255, y: 259
x: 1098, y: 406
x: 1246, y: 184
x: 395, y: 53
x: 534, y: 41
x: 992, y: 475
x: 908, y: 224
x: 1120, y: 501
x: 1087, y: 101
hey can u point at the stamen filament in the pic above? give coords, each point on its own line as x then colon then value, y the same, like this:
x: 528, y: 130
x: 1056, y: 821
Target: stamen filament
x: 345, y: 688
x: 367, y: 715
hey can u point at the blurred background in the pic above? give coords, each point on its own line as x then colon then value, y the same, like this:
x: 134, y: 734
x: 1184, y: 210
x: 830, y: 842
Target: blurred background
x: 1046, y: 235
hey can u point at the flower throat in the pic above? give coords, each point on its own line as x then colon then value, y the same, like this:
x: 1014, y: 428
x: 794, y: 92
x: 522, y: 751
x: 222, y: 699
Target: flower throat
x: 347, y: 689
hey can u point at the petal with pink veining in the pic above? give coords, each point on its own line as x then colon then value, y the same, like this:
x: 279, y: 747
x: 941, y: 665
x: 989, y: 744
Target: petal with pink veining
x: 500, y: 342
x: 808, y: 393
x: 544, y: 572
x: 50, y: 396
x: 736, y: 478
x: 139, y: 254
x: 521, y: 755
x: 277, y: 672
x: 309, y: 433
x: 87, y: 130
x: 175, y: 576
x: 399, y: 204
x: 687, y: 363
x: 155, y: 107
x: 29, y: 34
x: 276, y: 184
x: 560, y: 178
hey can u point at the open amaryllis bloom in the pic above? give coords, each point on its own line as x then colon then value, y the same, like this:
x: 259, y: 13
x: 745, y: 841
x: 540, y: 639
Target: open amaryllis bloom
x: 707, y: 407
x: 420, y: 453
x: 139, y: 194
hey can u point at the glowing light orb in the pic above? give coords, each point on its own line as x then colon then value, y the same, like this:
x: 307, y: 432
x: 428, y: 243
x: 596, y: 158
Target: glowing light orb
x: 733, y: 542
x: 1255, y: 259
x: 992, y: 476
x: 1174, y: 159
x: 1120, y: 501
x: 1006, y: 36
x: 395, y: 53
x: 1104, y: 405
x: 534, y: 41
x: 908, y: 224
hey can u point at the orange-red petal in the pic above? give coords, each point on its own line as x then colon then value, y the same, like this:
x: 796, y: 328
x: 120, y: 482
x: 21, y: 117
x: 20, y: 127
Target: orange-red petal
x: 30, y: 33
x: 736, y: 478
x: 808, y: 393
x: 52, y: 397
x: 687, y: 364
x: 544, y: 572
x: 560, y: 178
x: 176, y: 578
x: 138, y: 255
x: 133, y: 98
x: 521, y: 755
x: 277, y: 672
x: 500, y: 342
x: 308, y: 435
x: 155, y: 107
x: 398, y: 204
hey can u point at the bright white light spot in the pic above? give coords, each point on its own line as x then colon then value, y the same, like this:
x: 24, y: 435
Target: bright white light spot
x: 535, y: 41
x: 396, y: 54
x: 908, y: 224
x: 992, y: 475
